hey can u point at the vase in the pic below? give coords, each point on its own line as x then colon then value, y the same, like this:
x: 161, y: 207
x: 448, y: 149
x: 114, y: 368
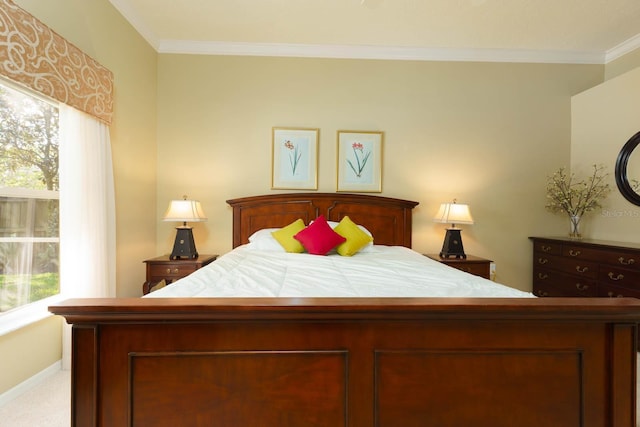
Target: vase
x: 574, y: 227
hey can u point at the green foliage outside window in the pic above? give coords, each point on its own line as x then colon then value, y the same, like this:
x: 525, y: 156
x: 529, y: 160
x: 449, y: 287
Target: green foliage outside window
x: 42, y: 286
x: 28, y: 141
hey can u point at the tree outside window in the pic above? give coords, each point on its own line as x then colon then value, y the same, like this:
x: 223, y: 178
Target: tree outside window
x: 29, y: 209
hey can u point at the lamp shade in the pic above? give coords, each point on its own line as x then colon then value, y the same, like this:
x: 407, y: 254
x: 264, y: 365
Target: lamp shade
x: 184, y: 211
x: 454, y: 213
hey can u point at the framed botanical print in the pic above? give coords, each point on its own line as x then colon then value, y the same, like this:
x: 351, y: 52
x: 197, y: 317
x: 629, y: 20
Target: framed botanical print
x: 360, y: 161
x: 294, y: 162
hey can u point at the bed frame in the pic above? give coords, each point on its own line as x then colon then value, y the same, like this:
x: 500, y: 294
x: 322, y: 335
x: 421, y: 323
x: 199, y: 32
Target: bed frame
x: 389, y: 220
x: 351, y: 362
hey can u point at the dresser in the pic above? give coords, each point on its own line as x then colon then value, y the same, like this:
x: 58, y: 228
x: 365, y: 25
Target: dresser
x: 564, y: 267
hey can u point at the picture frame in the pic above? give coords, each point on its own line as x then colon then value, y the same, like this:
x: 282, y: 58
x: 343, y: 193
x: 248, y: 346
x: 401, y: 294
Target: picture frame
x: 359, y: 156
x: 294, y: 158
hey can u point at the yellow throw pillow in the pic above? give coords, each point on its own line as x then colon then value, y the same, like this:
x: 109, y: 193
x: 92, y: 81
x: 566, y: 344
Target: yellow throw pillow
x: 356, y: 238
x: 284, y: 236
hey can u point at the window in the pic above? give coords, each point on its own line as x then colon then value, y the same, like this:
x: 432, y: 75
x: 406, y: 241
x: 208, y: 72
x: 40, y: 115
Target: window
x: 29, y: 209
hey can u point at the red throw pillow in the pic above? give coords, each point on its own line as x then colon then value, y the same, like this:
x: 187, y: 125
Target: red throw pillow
x: 318, y: 238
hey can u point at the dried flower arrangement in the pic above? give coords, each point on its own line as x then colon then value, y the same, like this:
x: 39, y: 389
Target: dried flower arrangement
x: 575, y: 198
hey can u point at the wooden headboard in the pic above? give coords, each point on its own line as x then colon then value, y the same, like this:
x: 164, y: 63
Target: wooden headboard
x: 388, y: 219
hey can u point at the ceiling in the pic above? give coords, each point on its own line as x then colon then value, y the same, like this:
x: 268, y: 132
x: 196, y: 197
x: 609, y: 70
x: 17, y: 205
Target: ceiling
x: 566, y: 31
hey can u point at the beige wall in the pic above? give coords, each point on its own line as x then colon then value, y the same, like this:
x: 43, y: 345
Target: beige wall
x: 487, y: 134
x: 603, y: 119
x: 623, y: 64
x: 29, y: 350
x: 99, y: 30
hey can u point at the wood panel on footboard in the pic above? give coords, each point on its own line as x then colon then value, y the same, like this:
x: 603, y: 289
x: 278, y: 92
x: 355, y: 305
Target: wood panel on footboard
x: 353, y: 362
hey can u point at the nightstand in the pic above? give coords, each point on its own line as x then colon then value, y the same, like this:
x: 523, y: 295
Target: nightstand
x: 169, y: 270
x: 472, y: 264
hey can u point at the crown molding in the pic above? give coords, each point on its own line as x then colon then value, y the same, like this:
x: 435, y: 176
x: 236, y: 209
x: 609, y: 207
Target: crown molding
x: 138, y: 24
x: 377, y: 52
x: 622, y: 49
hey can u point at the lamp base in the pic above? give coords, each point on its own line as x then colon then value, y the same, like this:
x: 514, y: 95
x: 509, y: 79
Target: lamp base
x: 452, y: 245
x: 184, y: 245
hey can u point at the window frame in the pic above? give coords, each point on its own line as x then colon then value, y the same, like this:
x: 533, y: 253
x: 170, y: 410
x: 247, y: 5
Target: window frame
x: 36, y: 311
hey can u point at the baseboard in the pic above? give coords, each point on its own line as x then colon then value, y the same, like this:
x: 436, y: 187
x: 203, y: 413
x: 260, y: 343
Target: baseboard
x: 30, y: 383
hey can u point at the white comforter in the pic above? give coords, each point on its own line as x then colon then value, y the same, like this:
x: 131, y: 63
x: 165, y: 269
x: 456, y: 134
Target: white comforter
x: 383, y: 271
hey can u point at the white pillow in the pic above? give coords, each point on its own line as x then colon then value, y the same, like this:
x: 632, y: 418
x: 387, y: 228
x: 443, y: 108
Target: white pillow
x: 333, y: 224
x: 262, y: 240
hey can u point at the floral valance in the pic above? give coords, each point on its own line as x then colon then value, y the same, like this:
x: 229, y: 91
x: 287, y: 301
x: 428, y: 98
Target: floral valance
x: 37, y: 57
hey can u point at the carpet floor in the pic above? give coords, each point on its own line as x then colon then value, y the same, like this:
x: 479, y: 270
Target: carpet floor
x: 46, y: 405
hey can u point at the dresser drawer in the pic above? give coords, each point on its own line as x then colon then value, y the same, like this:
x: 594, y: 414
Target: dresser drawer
x: 560, y: 291
x: 481, y: 270
x: 627, y: 260
x: 547, y: 290
x: 471, y: 264
x: 580, y: 252
x: 612, y: 275
x: 613, y: 291
x: 574, y: 266
x: 547, y: 247
x: 171, y: 271
x: 550, y: 283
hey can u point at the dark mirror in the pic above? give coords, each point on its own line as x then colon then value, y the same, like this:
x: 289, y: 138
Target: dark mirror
x: 628, y: 170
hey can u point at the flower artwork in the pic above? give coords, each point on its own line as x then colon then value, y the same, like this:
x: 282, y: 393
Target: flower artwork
x: 294, y: 156
x: 295, y: 159
x: 575, y: 197
x: 360, y: 159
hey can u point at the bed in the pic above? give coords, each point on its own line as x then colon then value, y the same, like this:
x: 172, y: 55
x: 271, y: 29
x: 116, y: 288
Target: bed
x: 350, y: 361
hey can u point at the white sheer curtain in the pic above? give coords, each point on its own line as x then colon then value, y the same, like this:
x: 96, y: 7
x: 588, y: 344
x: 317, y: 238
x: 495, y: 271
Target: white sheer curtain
x: 87, y: 212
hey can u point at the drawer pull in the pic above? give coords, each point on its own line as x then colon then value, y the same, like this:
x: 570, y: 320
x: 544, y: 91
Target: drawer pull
x: 618, y: 277
x: 542, y: 261
x: 581, y: 269
x: 612, y: 295
x: 574, y: 253
x: 174, y: 271
x: 545, y: 248
x: 541, y: 294
x: 581, y: 287
x: 543, y: 276
x: 625, y: 261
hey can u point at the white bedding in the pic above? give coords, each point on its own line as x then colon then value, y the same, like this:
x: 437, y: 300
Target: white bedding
x: 383, y: 271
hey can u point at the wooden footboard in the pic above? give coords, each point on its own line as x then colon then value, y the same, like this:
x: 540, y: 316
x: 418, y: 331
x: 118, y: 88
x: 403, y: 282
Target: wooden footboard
x: 353, y: 362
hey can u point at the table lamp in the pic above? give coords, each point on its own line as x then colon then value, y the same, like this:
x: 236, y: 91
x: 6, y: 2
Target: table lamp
x: 184, y: 211
x: 453, y: 213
